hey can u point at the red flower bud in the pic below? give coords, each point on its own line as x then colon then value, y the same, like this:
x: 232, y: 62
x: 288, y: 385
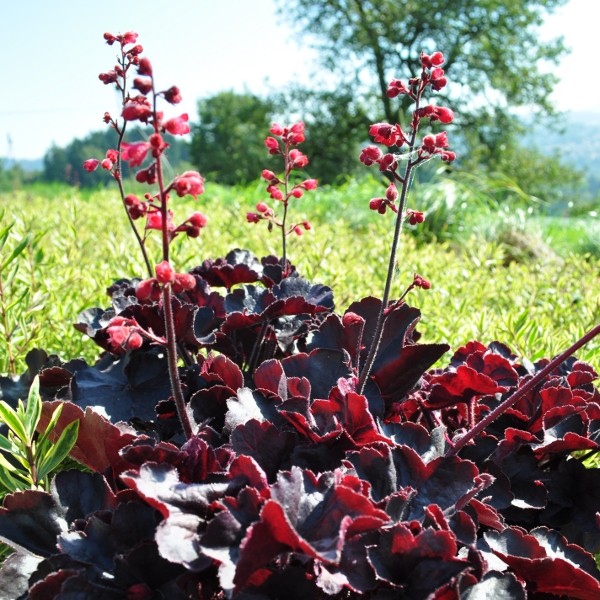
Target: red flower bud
x: 252, y: 217
x: 189, y: 183
x: 143, y: 84
x: 197, y: 219
x: 134, y: 153
x: 272, y: 145
x: 145, y: 67
x: 172, y: 95
x: 164, y: 272
x: 268, y: 175
x: 391, y: 193
x: 276, y: 129
x: 183, y: 282
x: 310, y: 184
x: 421, y: 282
x: 91, y: 164
x: 298, y: 230
x: 262, y: 207
x: 437, y: 59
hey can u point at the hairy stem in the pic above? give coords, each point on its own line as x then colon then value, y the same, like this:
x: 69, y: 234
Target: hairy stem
x: 533, y: 382
x: 172, y: 363
x: 121, y: 133
x: 172, y: 354
x: 390, y: 275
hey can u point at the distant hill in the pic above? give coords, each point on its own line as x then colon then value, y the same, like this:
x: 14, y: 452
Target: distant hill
x: 576, y: 139
x: 28, y: 165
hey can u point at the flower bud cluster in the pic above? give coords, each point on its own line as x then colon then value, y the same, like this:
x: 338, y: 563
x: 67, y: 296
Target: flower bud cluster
x: 281, y: 142
x: 394, y: 137
x: 389, y: 201
x: 124, y: 334
x: 150, y: 289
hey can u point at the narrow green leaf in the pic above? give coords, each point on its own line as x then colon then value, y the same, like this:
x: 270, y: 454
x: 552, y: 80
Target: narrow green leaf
x: 6, y: 444
x: 9, y: 416
x: 16, y: 251
x: 9, y: 482
x: 60, y: 450
x: 51, y: 425
x: 34, y: 408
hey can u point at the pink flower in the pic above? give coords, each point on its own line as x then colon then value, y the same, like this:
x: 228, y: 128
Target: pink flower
x: 148, y: 290
x: 276, y: 129
x: 445, y: 115
x: 129, y: 37
x: 448, y: 156
x: 414, y: 217
x: 389, y: 135
x: 197, y: 219
x: 107, y: 164
x: 388, y: 162
x: 134, y: 153
x: 143, y: 84
x: 108, y: 77
x: 298, y: 159
x: 438, y: 81
x: 145, y: 67
x: 91, y: 164
x: 154, y: 220
x: 298, y: 230
x: 310, y: 184
x: 275, y: 192
x: 441, y: 140
x: 112, y: 155
x: 370, y: 155
x: 178, y: 125
x: 189, y: 183
x: 262, y: 207
x: 272, y: 145
x: 391, y: 193
x: 437, y: 59
x: 122, y: 334
x: 135, y: 207
x: 147, y: 175
x: 395, y: 88
x: 110, y: 38
x: 172, y: 95
x: 268, y: 175
x: 137, y: 110
x: 429, y: 143
x: 183, y: 282
x: 296, y: 133
x: 252, y: 217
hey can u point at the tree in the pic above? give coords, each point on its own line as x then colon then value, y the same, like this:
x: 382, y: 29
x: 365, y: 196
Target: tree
x: 228, y: 142
x: 66, y: 164
x: 492, y: 49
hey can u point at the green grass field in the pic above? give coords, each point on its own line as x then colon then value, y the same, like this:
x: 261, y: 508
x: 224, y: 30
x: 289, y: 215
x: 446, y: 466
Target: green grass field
x: 485, y: 285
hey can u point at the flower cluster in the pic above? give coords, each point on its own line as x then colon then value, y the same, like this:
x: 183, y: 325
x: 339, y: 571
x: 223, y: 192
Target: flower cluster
x: 141, y: 107
x: 281, y: 142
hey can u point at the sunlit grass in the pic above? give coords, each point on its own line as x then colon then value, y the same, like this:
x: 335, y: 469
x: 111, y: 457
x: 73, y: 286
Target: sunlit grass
x: 537, y: 307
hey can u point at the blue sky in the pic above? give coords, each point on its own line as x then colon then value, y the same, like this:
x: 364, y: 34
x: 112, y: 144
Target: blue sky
x: 53, y: 52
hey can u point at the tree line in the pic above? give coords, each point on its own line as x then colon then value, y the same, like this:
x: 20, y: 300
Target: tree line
x: 494, y: 60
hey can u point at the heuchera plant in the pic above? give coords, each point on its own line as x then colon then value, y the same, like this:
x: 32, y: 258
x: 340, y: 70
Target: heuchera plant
x: 244, y: 440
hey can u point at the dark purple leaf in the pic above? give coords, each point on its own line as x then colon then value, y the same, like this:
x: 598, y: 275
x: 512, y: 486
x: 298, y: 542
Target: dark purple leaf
x: 30, y: 521
x: 546, y: 562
